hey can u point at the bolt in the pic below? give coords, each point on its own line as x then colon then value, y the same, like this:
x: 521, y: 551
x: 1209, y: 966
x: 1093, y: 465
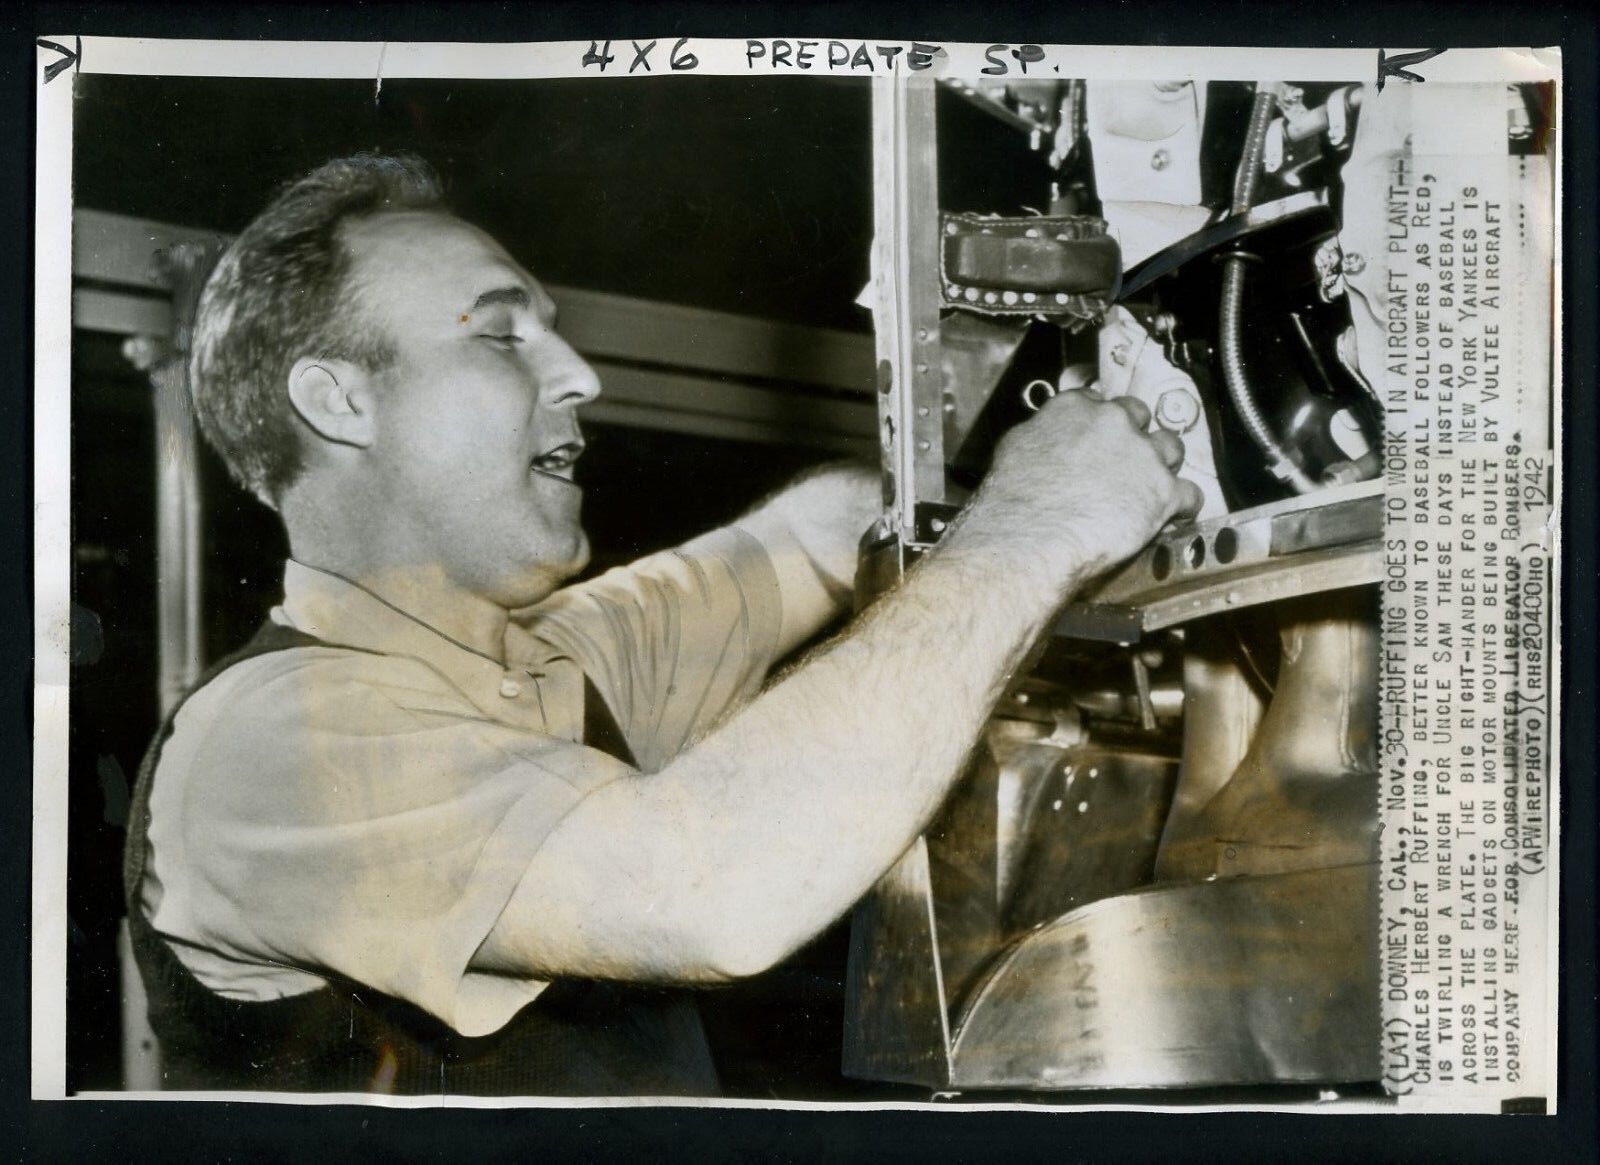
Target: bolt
x: 1177, y: 410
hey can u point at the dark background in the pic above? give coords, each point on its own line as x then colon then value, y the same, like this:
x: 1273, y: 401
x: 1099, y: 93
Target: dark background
x: 218, y: 1131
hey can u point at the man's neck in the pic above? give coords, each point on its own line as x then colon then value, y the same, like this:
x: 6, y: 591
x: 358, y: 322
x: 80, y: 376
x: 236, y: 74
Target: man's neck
x: 391, y: 567
x: 425, y: 594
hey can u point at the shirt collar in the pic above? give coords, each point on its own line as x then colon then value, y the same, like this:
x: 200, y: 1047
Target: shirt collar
x: 343, y: 614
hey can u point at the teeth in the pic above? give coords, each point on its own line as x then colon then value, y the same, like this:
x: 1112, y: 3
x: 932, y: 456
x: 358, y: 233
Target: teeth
x: 558, y: 460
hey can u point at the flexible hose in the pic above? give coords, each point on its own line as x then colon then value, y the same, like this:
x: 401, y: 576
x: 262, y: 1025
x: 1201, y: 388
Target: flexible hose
x: 1255, y: 144
x: 1231, y: 325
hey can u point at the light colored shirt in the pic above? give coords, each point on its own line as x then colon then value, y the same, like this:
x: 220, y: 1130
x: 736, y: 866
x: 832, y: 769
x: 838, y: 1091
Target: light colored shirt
x: 367, y: 813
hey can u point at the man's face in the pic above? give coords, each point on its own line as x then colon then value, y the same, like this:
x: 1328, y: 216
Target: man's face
x: 475, y: 425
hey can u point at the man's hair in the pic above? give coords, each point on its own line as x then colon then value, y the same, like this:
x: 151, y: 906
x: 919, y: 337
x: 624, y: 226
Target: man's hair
x: 282, y: 291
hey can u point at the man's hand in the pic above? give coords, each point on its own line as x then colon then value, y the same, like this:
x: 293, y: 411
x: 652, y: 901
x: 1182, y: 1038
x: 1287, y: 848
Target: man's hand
x: 1082, y: 486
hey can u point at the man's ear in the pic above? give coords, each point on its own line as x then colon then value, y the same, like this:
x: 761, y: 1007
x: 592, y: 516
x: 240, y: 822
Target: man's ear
x: 334, y: 398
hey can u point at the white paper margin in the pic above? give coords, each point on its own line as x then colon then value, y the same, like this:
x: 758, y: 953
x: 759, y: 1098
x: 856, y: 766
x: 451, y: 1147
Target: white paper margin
x: 380, y: 60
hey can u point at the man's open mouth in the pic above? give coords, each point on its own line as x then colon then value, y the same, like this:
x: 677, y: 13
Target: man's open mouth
x: 558, y: 462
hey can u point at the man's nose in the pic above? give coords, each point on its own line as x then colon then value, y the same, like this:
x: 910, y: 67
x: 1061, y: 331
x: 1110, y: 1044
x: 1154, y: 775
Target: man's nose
x: 569, y: 380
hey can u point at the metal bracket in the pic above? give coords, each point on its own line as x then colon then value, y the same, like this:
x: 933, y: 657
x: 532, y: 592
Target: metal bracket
x: 1303, y: 545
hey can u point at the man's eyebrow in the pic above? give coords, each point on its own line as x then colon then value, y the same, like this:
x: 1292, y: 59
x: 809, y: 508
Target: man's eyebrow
x: 514, y: 296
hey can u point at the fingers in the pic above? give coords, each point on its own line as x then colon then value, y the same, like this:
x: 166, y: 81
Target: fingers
x: 1190, y: 499
x: 1138, y: 412
x: 1169, y: 447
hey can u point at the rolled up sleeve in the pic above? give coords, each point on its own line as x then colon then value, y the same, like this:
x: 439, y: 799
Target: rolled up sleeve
x: 371, y: 831
x: 674, y: 641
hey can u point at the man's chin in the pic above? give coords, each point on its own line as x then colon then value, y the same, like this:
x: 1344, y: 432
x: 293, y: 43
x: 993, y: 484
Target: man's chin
x: 579, y: 560
x: 547, y: 576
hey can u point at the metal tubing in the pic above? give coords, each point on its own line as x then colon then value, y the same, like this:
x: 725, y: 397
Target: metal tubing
x: 1232, y: 316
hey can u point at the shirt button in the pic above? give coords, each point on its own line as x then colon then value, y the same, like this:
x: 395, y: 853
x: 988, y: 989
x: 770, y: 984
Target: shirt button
x: 509, y: 688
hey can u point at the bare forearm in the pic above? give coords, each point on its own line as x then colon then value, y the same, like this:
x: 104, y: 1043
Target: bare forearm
x: 757, y: 837
x: 841, y: 764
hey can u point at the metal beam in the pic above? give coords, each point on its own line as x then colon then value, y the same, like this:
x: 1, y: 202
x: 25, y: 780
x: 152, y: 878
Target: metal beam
x: 1302, y: 545
x: 677, y: 402
x: 121, y: 313
x: 905, y: 278
x: 621, y: 327
x: 121, y: 249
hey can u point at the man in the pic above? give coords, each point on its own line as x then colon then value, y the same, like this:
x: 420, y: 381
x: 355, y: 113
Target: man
x: 446, y: 827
